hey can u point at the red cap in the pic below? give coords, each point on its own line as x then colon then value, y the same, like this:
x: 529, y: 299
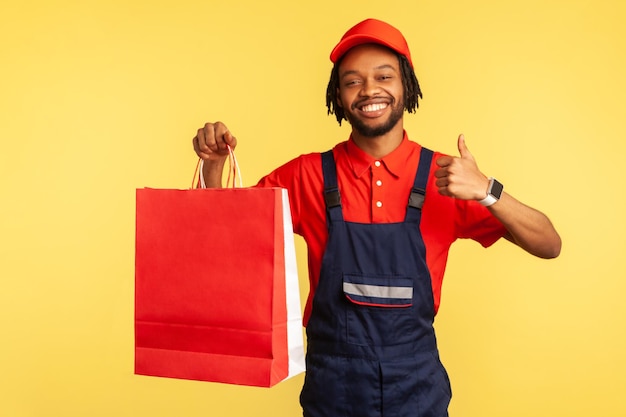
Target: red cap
x: 371, y: 31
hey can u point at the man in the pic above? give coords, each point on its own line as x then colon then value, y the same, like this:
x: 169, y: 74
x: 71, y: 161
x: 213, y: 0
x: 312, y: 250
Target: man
x: 379, y: 214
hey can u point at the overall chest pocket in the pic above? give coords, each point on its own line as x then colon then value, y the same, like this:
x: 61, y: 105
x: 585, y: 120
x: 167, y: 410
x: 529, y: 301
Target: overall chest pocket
x: 376, y: 291
x: 379, y: 309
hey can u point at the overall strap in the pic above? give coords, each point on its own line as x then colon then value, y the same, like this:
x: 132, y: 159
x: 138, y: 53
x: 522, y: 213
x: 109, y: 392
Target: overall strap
x: 332, y: 198
x: 418, y: 192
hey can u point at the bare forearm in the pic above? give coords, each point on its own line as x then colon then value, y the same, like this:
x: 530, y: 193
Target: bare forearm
x: 212, y: 172
x: 528, y: 228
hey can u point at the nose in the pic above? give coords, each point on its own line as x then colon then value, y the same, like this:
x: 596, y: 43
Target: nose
x: 370, y: 88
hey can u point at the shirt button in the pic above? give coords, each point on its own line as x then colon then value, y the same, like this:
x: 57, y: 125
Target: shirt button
x: 379, y: 204
x: 377, y: 163
x: 379, y: 183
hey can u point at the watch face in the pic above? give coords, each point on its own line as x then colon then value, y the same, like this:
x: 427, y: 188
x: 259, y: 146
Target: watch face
x: 496, y: 189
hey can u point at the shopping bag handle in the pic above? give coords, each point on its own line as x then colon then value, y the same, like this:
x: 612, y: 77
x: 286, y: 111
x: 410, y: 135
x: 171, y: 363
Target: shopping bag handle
x: 233, y: 171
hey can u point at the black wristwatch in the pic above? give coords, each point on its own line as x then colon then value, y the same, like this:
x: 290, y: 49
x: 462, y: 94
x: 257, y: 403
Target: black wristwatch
x: 494, y: 192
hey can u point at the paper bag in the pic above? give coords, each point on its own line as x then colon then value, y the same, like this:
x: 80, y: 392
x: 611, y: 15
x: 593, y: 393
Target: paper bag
x: 216, y: 286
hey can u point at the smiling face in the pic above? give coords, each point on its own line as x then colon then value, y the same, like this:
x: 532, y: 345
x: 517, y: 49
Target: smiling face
x: 370, y: 90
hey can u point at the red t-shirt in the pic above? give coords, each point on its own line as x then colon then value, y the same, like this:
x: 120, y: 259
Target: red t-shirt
x: 377, y: 191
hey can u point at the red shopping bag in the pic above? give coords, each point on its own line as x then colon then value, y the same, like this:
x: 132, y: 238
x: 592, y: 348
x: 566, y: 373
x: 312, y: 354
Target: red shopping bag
x: 216, y: 287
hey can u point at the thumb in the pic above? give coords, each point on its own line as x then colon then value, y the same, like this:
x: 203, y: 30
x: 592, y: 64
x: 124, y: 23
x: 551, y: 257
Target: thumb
x: 463, y: 151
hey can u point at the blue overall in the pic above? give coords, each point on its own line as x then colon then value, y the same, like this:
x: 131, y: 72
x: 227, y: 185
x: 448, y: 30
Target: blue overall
x: 371, y: 344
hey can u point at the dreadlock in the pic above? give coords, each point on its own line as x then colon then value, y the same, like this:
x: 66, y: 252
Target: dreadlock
x: 410, y: 86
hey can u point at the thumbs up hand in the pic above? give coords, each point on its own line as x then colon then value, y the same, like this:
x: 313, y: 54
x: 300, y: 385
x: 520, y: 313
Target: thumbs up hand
x: 459, y: 177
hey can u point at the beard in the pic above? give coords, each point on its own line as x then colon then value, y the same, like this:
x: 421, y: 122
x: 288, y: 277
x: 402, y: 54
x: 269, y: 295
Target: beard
x: 374, y: 131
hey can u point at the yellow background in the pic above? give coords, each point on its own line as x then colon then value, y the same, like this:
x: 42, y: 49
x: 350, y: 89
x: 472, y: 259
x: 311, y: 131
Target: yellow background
x: 98, y: 98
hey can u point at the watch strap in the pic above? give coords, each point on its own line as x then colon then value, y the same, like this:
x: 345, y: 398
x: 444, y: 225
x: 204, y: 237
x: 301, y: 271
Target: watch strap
x: 488, y: 201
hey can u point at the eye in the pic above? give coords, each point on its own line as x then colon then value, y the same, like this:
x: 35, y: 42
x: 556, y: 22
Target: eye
x: 352, y: 82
